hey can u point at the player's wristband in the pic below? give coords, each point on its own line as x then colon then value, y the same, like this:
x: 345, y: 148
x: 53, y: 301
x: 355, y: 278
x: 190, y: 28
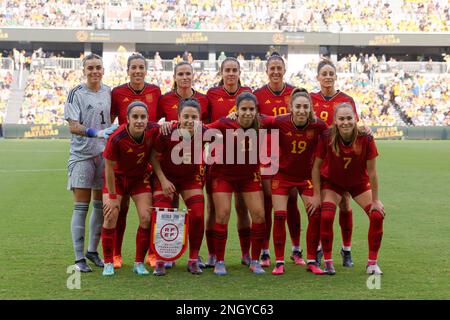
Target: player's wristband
x: 112, y: 196
x: 91, y: 133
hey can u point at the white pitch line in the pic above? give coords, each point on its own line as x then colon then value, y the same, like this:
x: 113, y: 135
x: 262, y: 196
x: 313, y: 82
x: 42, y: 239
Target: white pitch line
x: 30, y: 170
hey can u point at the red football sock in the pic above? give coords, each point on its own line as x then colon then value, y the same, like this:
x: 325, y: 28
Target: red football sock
x: 346, y: 223
x: 142, y: 243
x: 210, y: 241
x: 245, y: 240
x: 375, y: 232
x: 279, y: 234
x: 328, y: 212
x: 196, y: 204
x: 293, y: 221
x: 313, y: 236
x: 120, y: 229
x: 108, y: 244
x: 220, y: 238
x: 268, y: 217
x: 257, y: 237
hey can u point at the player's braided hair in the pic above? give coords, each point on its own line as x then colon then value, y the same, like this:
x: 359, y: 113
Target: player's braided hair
x: 223, y: 65
x: 302, y: 92
x: 336, y: 136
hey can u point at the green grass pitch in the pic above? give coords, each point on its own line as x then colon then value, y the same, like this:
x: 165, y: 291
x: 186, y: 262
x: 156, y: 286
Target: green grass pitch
x: 36, y: 247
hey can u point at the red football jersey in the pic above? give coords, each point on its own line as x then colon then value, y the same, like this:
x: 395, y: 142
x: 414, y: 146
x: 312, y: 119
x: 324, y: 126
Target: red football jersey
x: 190, y: 166
x: 168, y: 105
x: 350, y: 167
x: 131, y: 157
x: 324, y: 109
x: 221, y: 103
x: 123, y: 95
x: 297, y: 146
x: 234, y: 170
x: 271, y: 104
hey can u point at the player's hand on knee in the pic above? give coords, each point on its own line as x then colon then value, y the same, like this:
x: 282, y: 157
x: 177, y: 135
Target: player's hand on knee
x: 109, y: 208
x: 168, y: 187
x: 313, y: 206
x: 377, y: 205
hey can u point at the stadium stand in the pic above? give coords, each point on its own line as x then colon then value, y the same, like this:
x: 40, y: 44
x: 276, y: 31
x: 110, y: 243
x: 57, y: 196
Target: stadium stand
x: 258, y: 15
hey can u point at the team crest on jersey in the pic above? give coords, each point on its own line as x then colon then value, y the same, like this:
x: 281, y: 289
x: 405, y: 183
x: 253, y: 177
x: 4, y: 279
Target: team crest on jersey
x: 275, y: 184
x: 148, y: 98
x: 310, y: 134
x: 286, y: 100
x: 278, y: 101
x: 267, y: 102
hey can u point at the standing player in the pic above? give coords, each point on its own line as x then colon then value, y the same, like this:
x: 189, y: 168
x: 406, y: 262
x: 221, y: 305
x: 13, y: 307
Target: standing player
x: 127, y: 155
x: 324, y: 103
x: 183, y: 75
x: 87, y: 111
x: 273, y: 100
x: 222, y: 102
x: 299, y: 133
x: 241, y: 178
x: 185, y: 179
x: 350, y: 154
x: 121, y: 97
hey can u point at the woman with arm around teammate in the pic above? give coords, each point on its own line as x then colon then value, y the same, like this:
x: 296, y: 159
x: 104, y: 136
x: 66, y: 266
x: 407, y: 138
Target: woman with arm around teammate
x: 87, y: 111
x: 185, y: 178
x: 127, y: 155
x: 350, y: 154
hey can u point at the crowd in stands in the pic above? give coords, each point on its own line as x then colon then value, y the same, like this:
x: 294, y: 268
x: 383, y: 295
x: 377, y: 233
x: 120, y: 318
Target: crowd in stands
x: 395, y: 98
x: 6, y: 79
x: 260, y: 15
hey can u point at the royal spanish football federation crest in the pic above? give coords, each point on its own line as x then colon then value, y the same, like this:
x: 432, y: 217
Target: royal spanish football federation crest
x: 169, y: 233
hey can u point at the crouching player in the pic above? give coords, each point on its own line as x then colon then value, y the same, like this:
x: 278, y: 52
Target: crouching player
x: 185, y: 179
x: 299, y: 133
x: 350, y: 155
x: 127, y: 155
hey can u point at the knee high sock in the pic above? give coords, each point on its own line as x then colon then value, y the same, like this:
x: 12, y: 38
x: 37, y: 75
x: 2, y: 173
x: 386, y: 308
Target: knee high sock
x: 279, y: 234
x: 346, y: 223
x: 78, y: 225
x: 375, y: 232
x: 142, y: 243
x: 258, y: 231
x: 293, y: 221
x: 196, y: 204
x: 120, y: 229
x: 220, y: 240
x: 268, y: 218
x: 312, y: 236
x: 108, y: 244
x: 95, y: 225
x: 328, y: 212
